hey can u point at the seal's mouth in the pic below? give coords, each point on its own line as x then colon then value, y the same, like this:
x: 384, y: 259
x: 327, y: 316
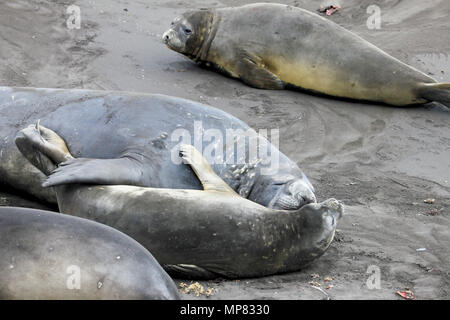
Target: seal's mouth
x: 166, y: 37
x: 172, y: 41
x: 287, y: 203
x: 293, y: 195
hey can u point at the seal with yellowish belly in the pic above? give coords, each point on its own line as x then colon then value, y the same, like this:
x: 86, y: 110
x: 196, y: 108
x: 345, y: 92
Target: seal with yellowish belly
x: 194, y: 233
x: 275, y: 46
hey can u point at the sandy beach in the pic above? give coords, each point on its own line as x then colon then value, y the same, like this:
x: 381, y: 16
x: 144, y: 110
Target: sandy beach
x: 382, y: 162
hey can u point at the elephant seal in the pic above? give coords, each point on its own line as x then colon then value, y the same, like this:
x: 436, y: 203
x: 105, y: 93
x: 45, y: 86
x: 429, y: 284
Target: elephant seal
x: 131, y: 139
x: 275, y: 46
x: 46, y: 255
x: 202, y: 234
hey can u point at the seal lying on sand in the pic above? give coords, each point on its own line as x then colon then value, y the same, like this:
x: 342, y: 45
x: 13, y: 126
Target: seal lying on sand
x: 129, y: 139
x: 194, y: 233
x: 275, y: 46
x: 46, y: 255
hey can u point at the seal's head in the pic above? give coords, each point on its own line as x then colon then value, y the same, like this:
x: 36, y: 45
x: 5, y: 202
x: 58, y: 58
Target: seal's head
x: 189, y: 31
x: 284, y: 192
x: 318, y: 223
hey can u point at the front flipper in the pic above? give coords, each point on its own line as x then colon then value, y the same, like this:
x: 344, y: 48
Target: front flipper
x: 45, y: 149
x: 208, y: 178
x: 253, y: 72
x: 123, y: 171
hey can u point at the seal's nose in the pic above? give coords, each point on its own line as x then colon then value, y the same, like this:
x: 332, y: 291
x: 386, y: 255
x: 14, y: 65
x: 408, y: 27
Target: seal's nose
x: 305, y: 197
x: 301, y: 190
x: 166, y: 36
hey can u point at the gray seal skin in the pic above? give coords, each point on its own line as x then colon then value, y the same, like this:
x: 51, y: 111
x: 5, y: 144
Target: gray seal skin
x: 44, y: 255
x: 275, y: 46
x: 125, y: 139
x: 200, y: 234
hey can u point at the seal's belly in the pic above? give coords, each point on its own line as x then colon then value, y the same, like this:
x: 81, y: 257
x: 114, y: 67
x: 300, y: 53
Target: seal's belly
x: 328, y: 79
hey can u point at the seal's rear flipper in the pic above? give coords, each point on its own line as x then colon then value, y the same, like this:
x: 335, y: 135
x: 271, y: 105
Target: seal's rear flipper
x: 439, y: 92
x: 208, y: 178
x: 43, y: 147
x: 34, y: 155
x: 124, y: 171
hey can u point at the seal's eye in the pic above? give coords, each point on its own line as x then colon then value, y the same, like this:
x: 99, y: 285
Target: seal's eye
x: 172, y: 23
x: 187, y: 31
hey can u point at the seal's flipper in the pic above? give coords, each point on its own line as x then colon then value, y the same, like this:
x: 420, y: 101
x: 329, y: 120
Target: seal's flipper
x: 252, y: 71
x: 208, y: 178
x: 54, y: 144
x: 439, y: 92
x: 43, y: 147
x: 123, y: 171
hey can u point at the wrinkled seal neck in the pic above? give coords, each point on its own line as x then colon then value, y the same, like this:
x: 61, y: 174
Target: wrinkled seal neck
x: 200, y: 53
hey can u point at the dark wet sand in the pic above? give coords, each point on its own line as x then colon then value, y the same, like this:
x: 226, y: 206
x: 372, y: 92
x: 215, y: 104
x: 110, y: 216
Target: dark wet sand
x: 381, y: 161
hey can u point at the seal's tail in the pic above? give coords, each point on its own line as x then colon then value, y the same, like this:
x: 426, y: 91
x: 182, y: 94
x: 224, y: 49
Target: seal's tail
x: 439, y: 92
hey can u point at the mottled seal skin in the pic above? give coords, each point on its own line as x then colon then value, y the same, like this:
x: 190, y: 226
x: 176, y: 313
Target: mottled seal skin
x: 44, y: 254
x: 194, y: 233
x: 203, y: 234
x: 125, y: 139
x: 275, y: 46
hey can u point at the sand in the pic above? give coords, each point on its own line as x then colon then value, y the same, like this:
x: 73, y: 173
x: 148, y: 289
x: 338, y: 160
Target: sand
x: 381, y: 161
